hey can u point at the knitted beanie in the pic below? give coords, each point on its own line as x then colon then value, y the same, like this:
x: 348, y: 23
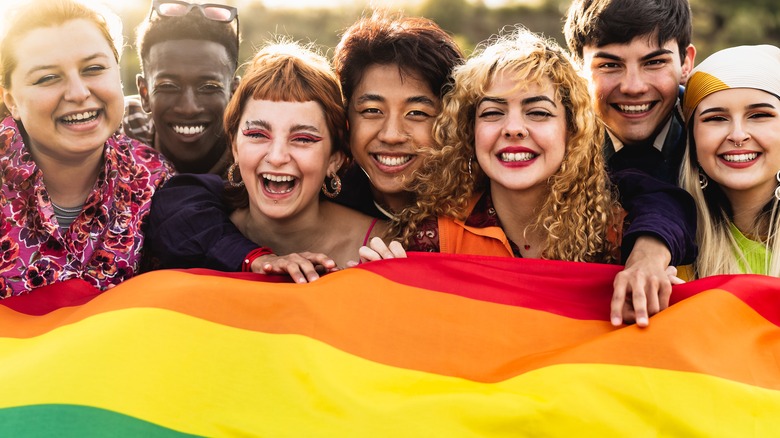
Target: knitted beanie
x: 755, y: 67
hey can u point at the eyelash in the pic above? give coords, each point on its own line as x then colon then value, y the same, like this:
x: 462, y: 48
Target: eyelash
x: 723, y: 118
x: 307, y: 138
x: 543, y: 114
x: 44, y: 79
x: 262, y: 133
x: 255, y: 133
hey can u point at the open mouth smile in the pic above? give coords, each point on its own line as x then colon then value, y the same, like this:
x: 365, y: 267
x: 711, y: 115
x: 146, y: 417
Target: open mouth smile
x: 740, y: 158
x: 83, y: 117
x: 634, y: 109
x: 392, y: 160
x: 188, y: 129
x: 278, y: 184
x: 511, y: 157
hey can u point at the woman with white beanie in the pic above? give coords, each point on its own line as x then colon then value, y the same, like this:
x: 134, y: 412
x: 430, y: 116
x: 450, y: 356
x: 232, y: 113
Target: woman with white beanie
x: 732, y: 163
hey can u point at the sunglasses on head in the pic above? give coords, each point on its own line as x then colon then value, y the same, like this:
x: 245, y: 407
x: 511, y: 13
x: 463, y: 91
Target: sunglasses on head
x: 212, y: 11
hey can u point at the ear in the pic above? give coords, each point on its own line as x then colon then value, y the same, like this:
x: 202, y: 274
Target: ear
x: 10, y: 103
x: 143, y: 91
x: 234, y: 84
x: 687, y: 64
x: 234, y: 150
x: 335, y: 162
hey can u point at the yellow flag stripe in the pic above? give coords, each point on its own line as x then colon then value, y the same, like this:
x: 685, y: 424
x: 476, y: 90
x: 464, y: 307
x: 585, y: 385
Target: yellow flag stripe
x: 198, y: 377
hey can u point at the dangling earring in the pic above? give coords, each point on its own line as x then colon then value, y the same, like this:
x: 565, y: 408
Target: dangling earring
x: 469, y: 165
x: 703, y: 180
x: 335, y: 186
x: 777, y: 189
x: 231, y: 175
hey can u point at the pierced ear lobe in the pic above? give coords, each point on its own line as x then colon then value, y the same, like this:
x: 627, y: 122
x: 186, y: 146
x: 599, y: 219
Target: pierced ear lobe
x: 336, y: 162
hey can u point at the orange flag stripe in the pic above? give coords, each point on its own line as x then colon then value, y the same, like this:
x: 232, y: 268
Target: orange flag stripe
x: 401, y: 326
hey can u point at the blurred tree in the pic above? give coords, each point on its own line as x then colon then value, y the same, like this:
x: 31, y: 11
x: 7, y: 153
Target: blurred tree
x: 717, y: 24
x: 728, y: 23
x: 451, y: 15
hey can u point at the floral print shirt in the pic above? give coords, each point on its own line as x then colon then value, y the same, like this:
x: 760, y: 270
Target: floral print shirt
x: 102, y: 246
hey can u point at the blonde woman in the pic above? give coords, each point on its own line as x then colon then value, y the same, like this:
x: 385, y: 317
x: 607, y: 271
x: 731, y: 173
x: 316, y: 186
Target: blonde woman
x: 75, y: 194
x: 732, y: 164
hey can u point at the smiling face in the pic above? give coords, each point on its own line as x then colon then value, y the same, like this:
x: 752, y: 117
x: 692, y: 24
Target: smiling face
x: 284, y: 151
x: 390, y: 116
x: 519, y: 134
x: 66, y: 91
x: 635, y: 86
x: 737, y: 134
x: 186, y: 87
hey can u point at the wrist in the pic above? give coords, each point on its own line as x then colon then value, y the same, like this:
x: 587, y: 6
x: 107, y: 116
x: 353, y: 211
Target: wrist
x: 246, y: 266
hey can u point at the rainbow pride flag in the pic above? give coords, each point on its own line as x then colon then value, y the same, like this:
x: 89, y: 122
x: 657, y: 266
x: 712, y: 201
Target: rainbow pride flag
x: 433, y: 345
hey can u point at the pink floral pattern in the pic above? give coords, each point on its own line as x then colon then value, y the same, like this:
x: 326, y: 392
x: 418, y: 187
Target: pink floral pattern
x: 102, y: 246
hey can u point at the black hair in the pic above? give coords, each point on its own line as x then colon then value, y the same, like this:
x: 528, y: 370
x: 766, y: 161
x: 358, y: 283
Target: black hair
x: 193, y: 26
x: 603, y: 22
x: 418, y: 46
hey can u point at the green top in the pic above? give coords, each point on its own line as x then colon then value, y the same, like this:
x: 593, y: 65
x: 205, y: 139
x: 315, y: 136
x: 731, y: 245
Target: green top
x: 756, y: 253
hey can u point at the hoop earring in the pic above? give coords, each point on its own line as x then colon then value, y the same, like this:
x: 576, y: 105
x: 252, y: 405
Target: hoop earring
x: 703, y: 180
x: 231, y: 177
x: 777, y: 189
x: 335, y: 186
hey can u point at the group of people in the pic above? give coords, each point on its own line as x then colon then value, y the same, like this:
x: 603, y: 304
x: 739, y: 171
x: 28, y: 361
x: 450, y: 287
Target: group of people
x: 616, y: 151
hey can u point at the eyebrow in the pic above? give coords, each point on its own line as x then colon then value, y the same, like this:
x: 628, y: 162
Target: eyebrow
x: 38, y: 68
x: 257, y: 124
x: 302, y: 127
x: 265, y: 125
x: 204, y: 77
x: 721, y: 109
x: 368, y: 97
x: 425, y: 100
x: 650, y: 55
x: 526, y: 101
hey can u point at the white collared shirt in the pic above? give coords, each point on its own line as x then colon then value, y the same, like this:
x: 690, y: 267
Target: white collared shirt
x: 658, y: 143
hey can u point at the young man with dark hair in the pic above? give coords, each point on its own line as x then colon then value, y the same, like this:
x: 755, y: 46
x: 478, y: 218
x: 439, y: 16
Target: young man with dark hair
x: 189, y: 55
x: 637, y: 54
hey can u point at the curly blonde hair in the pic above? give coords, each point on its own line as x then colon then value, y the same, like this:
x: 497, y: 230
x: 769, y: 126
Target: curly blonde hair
x: 581, y: 206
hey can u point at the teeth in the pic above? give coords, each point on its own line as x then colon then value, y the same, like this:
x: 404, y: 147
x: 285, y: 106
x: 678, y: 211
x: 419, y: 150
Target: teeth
x: 740, y: 158
x: 517, y: 156
x: 278, y: 178
x: 634, y: 108
x: 188, y: 130
x: 80, y: 116
x: 393, y: 160
x: 273, y: 188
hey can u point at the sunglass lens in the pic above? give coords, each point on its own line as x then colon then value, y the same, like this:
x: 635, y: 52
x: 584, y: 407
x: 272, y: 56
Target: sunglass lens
x: 217, y: 14
x: 172, y: 9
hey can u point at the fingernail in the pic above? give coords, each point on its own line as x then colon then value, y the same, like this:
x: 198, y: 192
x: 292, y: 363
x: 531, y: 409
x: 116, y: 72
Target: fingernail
x: 617, y: 321
x: 642, y: 321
